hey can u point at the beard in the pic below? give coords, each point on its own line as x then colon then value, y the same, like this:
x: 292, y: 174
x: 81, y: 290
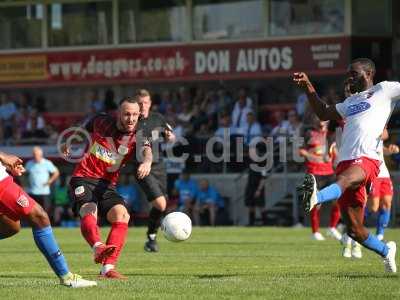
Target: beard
x: 358, y: 85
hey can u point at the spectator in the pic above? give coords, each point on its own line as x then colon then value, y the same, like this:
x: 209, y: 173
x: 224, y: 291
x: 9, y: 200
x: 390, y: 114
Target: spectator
x: 185, y: 117
x: 165, y: 101
x: 282, y: 126
x: 301, y: 104
x: 294, y: 124
x: 186, y: 189
x: 40, y: 104
x: 35, y: 126
x: 252, y: 129
x: 208, y: 201
x: 239, y: 113
x: 41, y: 175
x: 8, y: 113
x: 224, y: 101
x: 225, y: 125
x: 62, y: 213
x: 109, y: 104
x: 130, y: 193
x: 95, y: 103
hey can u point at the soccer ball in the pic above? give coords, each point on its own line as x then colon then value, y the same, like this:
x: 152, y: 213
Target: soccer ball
x: 176, y: 227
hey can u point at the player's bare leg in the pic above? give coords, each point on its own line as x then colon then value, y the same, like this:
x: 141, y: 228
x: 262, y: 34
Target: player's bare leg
x: 159, y: 206
x: 91, y: 232
x: 8, y: 227
x: 45, y: 241
x: 354, y: 218
x: 118, y: 217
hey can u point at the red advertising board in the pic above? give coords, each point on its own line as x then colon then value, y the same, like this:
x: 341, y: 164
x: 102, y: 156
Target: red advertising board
x: 216, y: 61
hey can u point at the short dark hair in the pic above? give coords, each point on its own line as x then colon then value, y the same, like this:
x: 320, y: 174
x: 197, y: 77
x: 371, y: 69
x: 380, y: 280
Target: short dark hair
x: 366, y: 63
x: 134, y: 99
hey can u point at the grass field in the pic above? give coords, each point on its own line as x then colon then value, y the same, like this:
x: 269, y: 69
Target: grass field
x: 221, y: 263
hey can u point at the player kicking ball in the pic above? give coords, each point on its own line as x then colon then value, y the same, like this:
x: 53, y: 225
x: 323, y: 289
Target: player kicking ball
x: 365, y: 114
x: 93, y: 182
x: 15, y: 205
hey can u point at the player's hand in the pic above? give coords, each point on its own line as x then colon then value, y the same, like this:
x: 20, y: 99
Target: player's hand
x: 301, y: 79
x: 18, y: 170
x: 10, y: 161
x: 303, y: 152
x: 393, y: 149
x: 257, y: 194
x: 144, y: 170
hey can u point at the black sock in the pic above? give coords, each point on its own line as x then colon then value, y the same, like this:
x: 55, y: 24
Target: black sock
x: 252, y: 217
x: 155, y: 216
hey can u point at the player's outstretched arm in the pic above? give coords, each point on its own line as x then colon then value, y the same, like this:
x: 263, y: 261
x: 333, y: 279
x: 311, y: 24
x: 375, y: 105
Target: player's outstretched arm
x: 321, y: 109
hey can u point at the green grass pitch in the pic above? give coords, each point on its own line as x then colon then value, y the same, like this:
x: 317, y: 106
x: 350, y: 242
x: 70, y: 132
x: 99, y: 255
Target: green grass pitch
x: 215, y: 263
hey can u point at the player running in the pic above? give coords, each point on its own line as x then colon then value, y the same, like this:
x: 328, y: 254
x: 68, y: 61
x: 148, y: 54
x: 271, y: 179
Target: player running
x: 93, y: 183
x: 153, y: 127
x: 15, y: 205
x: 382, y: 192
x: 365, y: 114
x: 319, y: 162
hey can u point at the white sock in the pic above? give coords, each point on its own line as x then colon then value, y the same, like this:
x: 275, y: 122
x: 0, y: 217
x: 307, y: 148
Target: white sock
x: 346, y: 240
x: 105, y: 268
x: 152, y: 236
x: 96, y: 245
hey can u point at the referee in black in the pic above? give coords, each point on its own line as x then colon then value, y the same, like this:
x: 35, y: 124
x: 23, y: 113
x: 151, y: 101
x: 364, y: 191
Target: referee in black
x: 152, y: 126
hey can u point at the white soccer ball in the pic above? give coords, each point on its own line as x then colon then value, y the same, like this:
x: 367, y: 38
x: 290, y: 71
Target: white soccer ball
x: 176, y: 227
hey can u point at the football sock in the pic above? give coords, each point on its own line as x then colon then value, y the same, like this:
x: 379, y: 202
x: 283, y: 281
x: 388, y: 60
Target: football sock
x: 90, y: 230
x: 315, y: 213
x: 117, y: 237
x: 382, y: 221
x: 335, y: 215
x: 47, y: 244
x: 105, y: 268
x: 372, y: 243
x: 155, y: 216
x: 329, y: 193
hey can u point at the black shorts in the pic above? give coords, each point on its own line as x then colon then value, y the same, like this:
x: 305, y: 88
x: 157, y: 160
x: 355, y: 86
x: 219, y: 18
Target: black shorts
x: 101, y: 192
x: 155, y: 184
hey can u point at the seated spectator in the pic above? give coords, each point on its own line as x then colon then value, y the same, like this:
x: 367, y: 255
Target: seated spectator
x: 62, y: 207
x: 252, y: 129
x: 128, y: 190
x: 186, y: 189
x: 208, y: 201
